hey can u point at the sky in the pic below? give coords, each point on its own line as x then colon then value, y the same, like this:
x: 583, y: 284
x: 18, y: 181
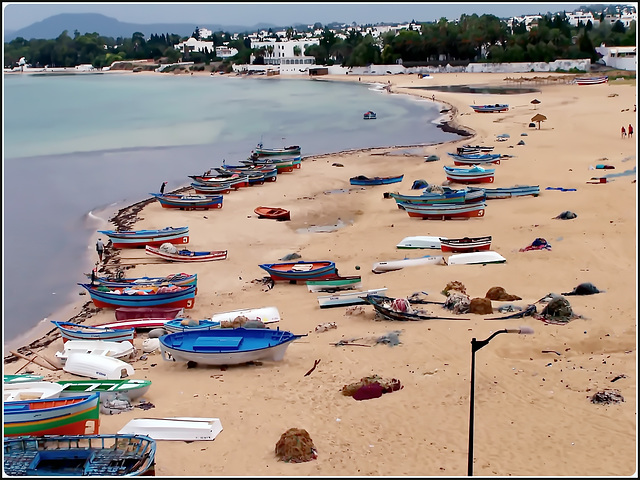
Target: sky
x: 19, y: 15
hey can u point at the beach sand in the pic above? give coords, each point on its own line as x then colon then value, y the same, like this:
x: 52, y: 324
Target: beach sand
x: 533, y: 410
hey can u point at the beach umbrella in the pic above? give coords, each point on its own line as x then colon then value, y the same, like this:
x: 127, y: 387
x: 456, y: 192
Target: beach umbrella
x: 535, y: 102
x: 538, y: 118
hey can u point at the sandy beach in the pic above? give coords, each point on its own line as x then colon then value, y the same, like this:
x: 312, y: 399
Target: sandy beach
x: 533, y: 410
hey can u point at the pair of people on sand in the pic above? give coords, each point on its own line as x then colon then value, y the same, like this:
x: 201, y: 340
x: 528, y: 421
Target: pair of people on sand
x: 624, y: 132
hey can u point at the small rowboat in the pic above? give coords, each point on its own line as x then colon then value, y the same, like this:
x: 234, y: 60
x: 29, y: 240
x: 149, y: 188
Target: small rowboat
x: 140, y: 238
x: 347, y: 299
x: 235, y: 180
x: 498, y: 107
x: 96, y: 347
x: 515, y: 191
x: 454, y: 196
x: 189, y: 324
x: 275, y: 213
x: 445, y: 211
x: 80, y: 455
x: 136, y: 313
x: 364, y: 180
x: 369, y: 115
x: 140, y: 324
x: 219, y: 189
x: 282, y: 164
x: 475, y: 158
x: 99, y: 367
x: 591, y: 80
x: 188, y: 202
x: 475, y: 174
x: 474, y: 149
x: 74, y: 331
x: 420, y: 242
x: 465, y: 244
x: 128, y: 388
x: 226, y: 346
x: 185, y: 255
x: 300, y: 271
x: 20, y: 378
x: 180, y: 279
x: 474, y: 258
x: 269, y: 171
x: 186, y: 429
x: 141, y: 296
x: 334, y: 284
x: 261, y: 151
x: 30, y: 391
x: 382, y: 267
x: 262, y: 314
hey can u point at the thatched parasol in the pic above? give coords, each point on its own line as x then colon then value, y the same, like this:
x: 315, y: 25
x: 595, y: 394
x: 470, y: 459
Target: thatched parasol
x: 535, y: 102
x: 538, y: 118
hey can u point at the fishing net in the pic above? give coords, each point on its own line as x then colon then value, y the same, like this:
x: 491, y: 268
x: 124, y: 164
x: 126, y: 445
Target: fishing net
x: 295, y: 445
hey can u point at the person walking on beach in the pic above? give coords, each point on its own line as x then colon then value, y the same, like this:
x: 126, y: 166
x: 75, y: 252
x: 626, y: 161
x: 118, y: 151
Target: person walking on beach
x: 623, y: 133
x: 162, y: 187
x: 100, y: 248
x: 630, y: 131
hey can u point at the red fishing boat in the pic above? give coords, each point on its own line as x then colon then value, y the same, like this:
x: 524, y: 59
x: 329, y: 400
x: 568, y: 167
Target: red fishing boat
x: 465, y: 244
x: 275, y: 213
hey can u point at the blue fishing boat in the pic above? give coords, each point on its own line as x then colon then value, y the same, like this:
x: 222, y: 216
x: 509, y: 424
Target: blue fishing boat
x: 141, y: 296
x: 188, y: 202
x: 364, y: 180
x: 74, y: 331
x: 515, y: 191
x: 140, y: 238
x: 189, y: 325
x: 119, y: 455
x: 300, y: 271
x: 475, y: 158
x: 498, y: 107
x: 180, y: 279
x: 226, y: 346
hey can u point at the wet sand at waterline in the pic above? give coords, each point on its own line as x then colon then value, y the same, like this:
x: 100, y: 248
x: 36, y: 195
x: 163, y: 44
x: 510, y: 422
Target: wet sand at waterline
x: 533, y: 410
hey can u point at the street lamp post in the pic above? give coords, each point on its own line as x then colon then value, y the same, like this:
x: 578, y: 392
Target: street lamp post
x: 475, y: 346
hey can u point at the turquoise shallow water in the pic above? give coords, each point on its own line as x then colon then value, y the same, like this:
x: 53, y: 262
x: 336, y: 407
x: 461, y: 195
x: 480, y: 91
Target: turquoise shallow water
x: 76, y: 148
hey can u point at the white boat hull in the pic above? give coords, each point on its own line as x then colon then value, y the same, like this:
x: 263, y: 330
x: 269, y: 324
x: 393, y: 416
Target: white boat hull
x: 420, y: 242
x: 346, y: 299
x: 274, y: 354
x: 264, y: 314
x: 97, y: 366
x: 96, y: 347
x: 380, y: 267
x: 132, y: 390
x: 476, y: 258
x: 30, y: 391
x: 174, y: 428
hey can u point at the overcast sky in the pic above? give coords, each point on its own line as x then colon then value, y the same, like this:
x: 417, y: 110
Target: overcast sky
x: 19, y: 15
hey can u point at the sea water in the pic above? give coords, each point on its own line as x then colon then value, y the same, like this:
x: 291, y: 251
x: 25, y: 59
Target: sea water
x: 77, y: 148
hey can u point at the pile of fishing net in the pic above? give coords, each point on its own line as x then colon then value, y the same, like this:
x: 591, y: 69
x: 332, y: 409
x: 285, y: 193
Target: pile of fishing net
x: 295, y: 445
x: 371, y: 387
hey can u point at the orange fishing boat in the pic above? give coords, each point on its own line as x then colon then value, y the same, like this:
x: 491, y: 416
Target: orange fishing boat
x: 275, y: 213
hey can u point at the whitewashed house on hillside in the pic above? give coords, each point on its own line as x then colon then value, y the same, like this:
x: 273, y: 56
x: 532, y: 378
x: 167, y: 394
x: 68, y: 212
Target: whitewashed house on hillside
x: 623, y: 58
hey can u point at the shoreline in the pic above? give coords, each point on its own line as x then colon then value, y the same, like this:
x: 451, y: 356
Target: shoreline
x: 532, y: 402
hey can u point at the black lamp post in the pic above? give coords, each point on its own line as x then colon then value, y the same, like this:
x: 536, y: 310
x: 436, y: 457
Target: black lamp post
x: 475, y: 346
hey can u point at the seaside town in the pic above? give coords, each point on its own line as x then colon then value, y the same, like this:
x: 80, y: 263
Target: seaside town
x: 342, y: 324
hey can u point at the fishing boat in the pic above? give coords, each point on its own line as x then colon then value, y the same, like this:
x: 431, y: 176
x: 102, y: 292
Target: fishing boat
x: 129, y: 388
x: 180, y: 279
x: 235, y: 181
x: 189, y: 324
x: 140, y: 238
x: 498, y: 107
x: 270, y: 171
x: 474, y: 174
x: 475, y: 258
x: 282, y: 164
x: 335, y: 284
x: 14, y: 392
x: 475, y: 158
x: 369, y: 115
x: 382, y: 267
x: 74, y: 331
x: 172, y: 254
x: 419, y: 242
x: 139, y: 324
x: 21, y: 377
x: 275, y: 213
x: 53, y: 416
x: 188, y: 202
x: 142, y: 296
x: 101, y: 367
x: 515, y: 191
x: 300, y: 271
x: 364, y: 180
x: 445, y: 211
x: 391, y: 309
x: 453, y: 196
x: 186, y: 429
x: 262, y: 151
x: 218, y: 189
x: 263, y: 314
x: 136, y: 313
x: 80, y: 455
x: 465, y: 244
x: 226, y: 346
x: 96, y: 347
x: 474, y: 149
x: 591, y: 80
x: 347, y: 299
x: 254, y: 177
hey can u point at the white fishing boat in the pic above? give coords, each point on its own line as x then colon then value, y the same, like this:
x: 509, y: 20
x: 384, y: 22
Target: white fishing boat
x: 263, y: 314
x: 97, y: 366
x: 474, y: 258
x: 381, y: 267
x: 13, y: 392
x: 96, y: 347
x: 186, y: 429
x: 129, y: 388
x: 347, y: 299
x: 420, y: 242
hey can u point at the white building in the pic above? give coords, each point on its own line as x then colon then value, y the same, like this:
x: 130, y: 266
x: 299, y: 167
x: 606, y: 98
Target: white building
x: 582, y: 17
x: 275, y: 52
x: 625, y: 18
x: 623, y: 58
x: 193, y: 45
x: 528, y: 20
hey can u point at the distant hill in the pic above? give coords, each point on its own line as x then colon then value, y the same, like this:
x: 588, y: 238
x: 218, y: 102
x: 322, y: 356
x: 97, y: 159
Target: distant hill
x: 52, y: 27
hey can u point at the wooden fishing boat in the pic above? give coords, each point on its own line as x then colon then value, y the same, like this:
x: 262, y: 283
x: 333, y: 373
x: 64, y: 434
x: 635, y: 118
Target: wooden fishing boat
x: 262, y: 151
x: 142, y: 296
x: 99, y: 367
x: 515, y: 191
x: 347, y: 299
x: 21, y: 378
x: 186, y: 429
x: 382, y: 267
x: 96, y: 347
x: 226, y: 346
x: 369, y: 115
x: 300, y: 271
x: 387, y: 307
x: 80, y: 455
x: 474, y: 174
x: 14, y: 392
x: 140, y: 238
x: 591, y: 80
x: 419, y: 242
x: 135, y: 313
x: 139, y: 325
x: 184, y: 255
x: 454, y: 196
x: 445, y: 211
x: 189, y: 324
x: 474, y: 149
x: 269, y: 171
x: 264, y: 314
x: 364, y: 180
x: 282, y: 164
x: 254, y: 177
x: 180, y: 279
x: 188, y: 202
x: 218, y: 189
x: 465, y: 244
x: 498, y: 107
x: 475, y: 258
x: 335, y: 284
x: 476, y: 159
x: 129, y: 388
x: 53, y: 416
x: 235, y: 181
x: 275, y: 213
x: 74, y: 331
